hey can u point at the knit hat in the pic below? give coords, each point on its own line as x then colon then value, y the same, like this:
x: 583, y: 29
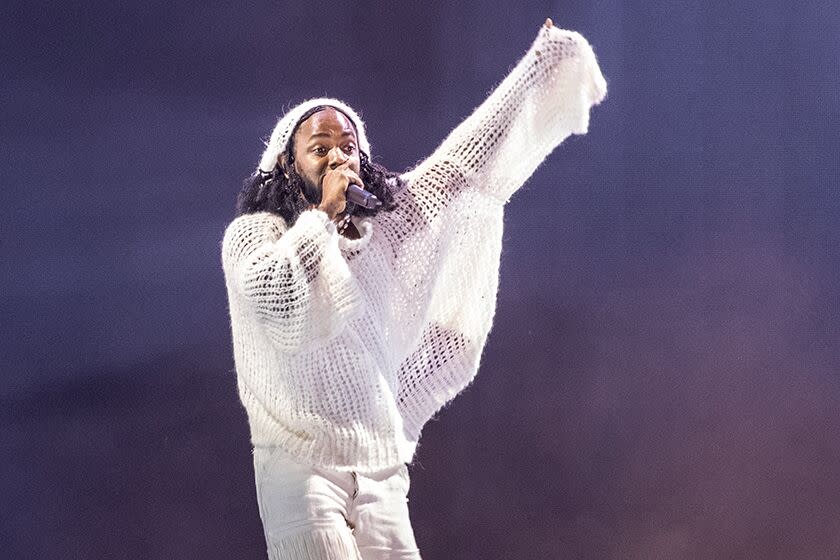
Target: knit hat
x: 279, y: 140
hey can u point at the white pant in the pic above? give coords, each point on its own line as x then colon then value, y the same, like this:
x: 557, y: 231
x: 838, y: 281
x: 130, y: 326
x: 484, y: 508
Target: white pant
x: 310, y: 513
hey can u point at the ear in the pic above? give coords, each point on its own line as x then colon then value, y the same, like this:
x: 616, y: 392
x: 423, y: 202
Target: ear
x: 281, y: 161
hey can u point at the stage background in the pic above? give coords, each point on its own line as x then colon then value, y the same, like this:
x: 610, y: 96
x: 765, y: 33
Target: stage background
x: 662, y: 377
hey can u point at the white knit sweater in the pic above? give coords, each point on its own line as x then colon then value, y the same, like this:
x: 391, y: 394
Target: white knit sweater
x: 343, y: 348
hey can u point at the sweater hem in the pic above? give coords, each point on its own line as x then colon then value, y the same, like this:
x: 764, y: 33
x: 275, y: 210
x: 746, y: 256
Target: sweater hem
x: 360, y: 453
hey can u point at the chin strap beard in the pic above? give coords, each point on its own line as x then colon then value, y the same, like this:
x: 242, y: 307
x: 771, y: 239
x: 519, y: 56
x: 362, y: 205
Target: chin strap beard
x: 310, y: 193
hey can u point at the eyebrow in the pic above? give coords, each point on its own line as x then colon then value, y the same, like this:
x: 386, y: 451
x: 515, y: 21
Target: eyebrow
x: 327, y: 134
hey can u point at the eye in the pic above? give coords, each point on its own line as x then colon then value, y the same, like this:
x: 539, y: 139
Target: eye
x: 349, y: 148
x: 320, y: 150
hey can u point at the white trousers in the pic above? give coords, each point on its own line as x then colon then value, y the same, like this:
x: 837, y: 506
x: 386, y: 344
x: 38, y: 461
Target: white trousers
x: 309, y: 513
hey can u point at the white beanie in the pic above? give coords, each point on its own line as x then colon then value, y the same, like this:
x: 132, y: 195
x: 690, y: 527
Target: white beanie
x: 283, y: 131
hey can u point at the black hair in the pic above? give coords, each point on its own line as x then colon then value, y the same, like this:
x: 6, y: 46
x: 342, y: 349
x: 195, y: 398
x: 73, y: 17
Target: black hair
x: 274, y: 192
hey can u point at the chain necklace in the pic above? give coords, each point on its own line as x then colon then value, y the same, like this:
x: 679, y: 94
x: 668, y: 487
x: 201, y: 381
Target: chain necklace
x: 343, y: 224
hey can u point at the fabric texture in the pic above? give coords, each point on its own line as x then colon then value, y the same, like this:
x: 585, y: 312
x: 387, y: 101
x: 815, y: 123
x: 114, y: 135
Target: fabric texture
x: 315, y: 513
x: 343, y: 348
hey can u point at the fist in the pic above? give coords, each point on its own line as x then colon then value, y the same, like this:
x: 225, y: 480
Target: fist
x: 333, y: 189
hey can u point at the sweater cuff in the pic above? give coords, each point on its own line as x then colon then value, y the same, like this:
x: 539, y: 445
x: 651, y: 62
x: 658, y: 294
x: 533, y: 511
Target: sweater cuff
x: 315, y: 218
x: 581, y: 85
x: 312, y: 233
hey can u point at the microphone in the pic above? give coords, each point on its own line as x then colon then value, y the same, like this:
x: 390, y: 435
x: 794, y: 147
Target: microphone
x: 357, y: 195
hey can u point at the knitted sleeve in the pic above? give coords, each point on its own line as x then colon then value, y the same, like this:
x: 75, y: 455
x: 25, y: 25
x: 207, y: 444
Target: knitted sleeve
x: 544, y: 99
x: 294, y: 281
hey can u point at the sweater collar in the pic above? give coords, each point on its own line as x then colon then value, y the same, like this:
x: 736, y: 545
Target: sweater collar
x: 365, y: 226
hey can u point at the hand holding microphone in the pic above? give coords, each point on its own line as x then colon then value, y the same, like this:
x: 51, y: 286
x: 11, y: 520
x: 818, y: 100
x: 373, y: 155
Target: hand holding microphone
x: 340, y: 185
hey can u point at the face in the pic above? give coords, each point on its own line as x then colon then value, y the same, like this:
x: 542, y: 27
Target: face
x: 322, y: 142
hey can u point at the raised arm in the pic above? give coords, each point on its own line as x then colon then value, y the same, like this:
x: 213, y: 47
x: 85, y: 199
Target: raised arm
x: 295, y: 281
x: 544, y: 99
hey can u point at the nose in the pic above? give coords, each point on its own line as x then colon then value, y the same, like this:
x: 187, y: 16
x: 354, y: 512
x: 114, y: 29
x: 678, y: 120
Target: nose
x: 337, y: 157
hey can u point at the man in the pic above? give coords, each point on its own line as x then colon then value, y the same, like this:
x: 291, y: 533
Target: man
x: 352, y: 327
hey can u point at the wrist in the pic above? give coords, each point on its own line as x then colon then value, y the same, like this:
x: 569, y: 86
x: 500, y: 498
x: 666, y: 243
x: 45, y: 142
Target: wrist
x: 331, y: 209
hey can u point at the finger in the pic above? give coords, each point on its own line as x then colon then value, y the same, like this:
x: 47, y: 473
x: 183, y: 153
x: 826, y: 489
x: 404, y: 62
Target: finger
x: 548, y: 22
x: 343, y: 165
x: 354, y: 178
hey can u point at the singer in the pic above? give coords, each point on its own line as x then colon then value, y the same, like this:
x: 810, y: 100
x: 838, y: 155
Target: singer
x: 361, y: 299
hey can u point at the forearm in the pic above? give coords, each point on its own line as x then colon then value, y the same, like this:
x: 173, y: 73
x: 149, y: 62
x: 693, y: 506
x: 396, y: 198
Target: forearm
x: 298, y: 285
x: 544, y: 99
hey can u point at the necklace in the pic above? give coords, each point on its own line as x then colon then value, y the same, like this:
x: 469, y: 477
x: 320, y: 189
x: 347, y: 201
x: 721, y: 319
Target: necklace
x: 343, y: 224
